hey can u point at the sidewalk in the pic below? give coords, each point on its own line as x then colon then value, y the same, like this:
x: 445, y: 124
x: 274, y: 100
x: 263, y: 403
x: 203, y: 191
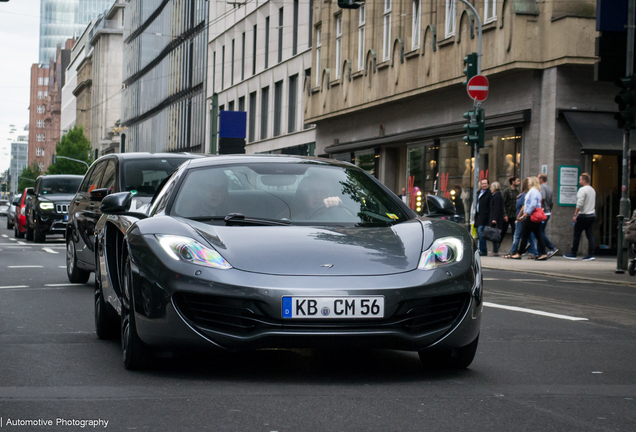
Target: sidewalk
x: 599, y: 270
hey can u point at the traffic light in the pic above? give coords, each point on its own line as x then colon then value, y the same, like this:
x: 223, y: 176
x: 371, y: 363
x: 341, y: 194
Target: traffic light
x: 349, y: 4
x: 54, y: 159
x: 470, y: 67
x: 626, y: 100
x: 475, y: 132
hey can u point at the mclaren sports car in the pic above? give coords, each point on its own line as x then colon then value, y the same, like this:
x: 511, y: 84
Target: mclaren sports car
x: 247, y: 252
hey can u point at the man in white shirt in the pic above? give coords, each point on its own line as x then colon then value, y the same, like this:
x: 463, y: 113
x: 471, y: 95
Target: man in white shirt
x: 584, y: 218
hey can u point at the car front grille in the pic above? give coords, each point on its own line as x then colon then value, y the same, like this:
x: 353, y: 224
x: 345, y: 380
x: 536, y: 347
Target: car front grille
x: 61, y: 208
x: 240, y: 316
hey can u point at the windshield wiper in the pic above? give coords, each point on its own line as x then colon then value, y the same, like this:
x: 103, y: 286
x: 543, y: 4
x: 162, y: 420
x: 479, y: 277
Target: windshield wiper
x: 240, y: 219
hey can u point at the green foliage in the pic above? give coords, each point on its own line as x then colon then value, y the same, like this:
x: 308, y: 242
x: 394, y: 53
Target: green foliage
x: 73, y: 144
x: 28, y: 176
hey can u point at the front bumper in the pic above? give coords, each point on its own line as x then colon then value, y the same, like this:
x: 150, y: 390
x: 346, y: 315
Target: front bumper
x: 53, y: 223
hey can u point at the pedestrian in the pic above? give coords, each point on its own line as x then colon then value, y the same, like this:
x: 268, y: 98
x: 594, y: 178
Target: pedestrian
x: 519, y: 226
x: 496, y: 213
x: 459, y: 205
x: 482, y: 215
x: 584, y: 218
x: 510, y: 195
x: 402, y: 196
x: 546, y: 196
x: 532, y: 202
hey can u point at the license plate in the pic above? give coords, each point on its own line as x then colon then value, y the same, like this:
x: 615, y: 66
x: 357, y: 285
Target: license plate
x: 333, y: 307
x: 65, y: 218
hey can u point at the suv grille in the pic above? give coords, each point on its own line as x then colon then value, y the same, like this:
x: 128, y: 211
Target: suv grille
x: 246, y: 316
x: 61, y: 208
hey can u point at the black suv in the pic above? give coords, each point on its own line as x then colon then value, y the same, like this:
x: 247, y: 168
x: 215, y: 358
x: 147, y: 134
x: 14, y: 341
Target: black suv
x: 47, y: 211
x: 138, y: 173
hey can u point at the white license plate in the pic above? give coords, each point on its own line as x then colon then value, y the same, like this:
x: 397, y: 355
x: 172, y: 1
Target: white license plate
x: 333, y: 307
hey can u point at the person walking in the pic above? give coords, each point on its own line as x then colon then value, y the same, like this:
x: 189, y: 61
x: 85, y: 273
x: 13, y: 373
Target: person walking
x: 584, y: 218
x: 532, y: 201
x: 546, y: 200
x: 496, y: 213
x: 510, y: 206
x: 519, y: 226
x: 482, y: 215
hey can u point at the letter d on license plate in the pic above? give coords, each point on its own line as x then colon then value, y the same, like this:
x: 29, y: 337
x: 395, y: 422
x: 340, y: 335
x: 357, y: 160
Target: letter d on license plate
x: 333, y: 307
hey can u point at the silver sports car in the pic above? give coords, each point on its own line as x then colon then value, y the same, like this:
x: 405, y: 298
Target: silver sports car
x: 248, y: 252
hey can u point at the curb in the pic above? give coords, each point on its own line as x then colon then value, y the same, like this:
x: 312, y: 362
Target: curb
x: 564, y: 276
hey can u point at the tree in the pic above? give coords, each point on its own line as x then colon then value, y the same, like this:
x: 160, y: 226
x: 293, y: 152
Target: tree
x: 28, y: 176
x: 73, y: 144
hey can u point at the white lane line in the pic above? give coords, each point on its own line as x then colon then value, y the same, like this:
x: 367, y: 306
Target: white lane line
x: 14, y: 286
x: 62, y: 284
x: 5, y: 236
x: 61, y: 266
x: 12, y: 239
x: 491, y: 279
x: 528, y: 280
x: 21, y: 243
x: 26, y: 266
x: 49, y: 250
x: 535, y: 312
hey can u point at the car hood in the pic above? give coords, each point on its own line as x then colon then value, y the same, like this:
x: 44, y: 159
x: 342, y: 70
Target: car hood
x: 55, y: 198
x: 329, y: 251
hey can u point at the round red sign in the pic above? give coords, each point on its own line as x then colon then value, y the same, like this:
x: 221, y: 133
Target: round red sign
x: 478, y: 88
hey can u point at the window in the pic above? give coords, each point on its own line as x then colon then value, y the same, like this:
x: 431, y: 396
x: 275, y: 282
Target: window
x: 338, y: 45
x: 41, y: 166
x: 254, y: 52
x: 252, y: 117
x: 318, y: 45
x: 40, y: 123
x: 222, y: 66
x: 40, y: 94
x: 490, y: 10
x: 450, y: 18
x: 46, y: 80
x: 361, y: 35
x: 232, y: 67
x: 278, y: 107
x: 243, y: 56
x: 280, y: 35
x: 241, y: 103
x: 266, y: 42
x: 40, y: 109
x: 291, y: 109
x: 415, y: 31
x: 311, y: 21
x: 230, y: 106
x: 264, y: 108
x: 386, y: 34
x: 41, y: 81
x: 46, y: 94
x: 38, y: 151
x: 42, y: 152
x: 108, y: 180
x: 38, y: 138
x: 295, y: 30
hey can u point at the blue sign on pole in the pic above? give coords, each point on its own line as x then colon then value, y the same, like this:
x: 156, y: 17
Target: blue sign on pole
x: 232, y: 124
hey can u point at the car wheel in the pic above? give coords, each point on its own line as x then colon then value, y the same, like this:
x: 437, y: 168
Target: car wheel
x: 38, y: 237
x: 9, y: 224
x: 632, y: 268
x: 16, y: 232
x: 74, y: 273
x: 134, y: 353
x: 456, y: 358
x: 106, y: 326
x: 29, y: 232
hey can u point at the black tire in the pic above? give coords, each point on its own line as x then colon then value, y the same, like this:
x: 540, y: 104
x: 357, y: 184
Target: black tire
x: 135, y: 354
x: 9, y: 224
x: 38, y: 237
x: 16, y: 232
x: 632, y: 268
x: 106, y: 323
x: 457, y: 358
x: 29, y: 232
x: 74, y: 273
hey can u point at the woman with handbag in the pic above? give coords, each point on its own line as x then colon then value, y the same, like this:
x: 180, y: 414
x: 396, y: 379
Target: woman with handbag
x: 496, y: 214
x: 531, y: 218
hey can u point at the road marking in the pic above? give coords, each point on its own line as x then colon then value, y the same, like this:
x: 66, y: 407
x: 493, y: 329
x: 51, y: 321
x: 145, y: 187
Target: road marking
x: 5, y: 236
x: 49, y: 250
x: 62, y: 285
x: 491, y: 279
x: 528, y: 280
x: 14, y: 286
x: 26, y: 266
x: 21, y: 243
x: 535, y: 312
x: 61, y: 266
x: 12, y: 239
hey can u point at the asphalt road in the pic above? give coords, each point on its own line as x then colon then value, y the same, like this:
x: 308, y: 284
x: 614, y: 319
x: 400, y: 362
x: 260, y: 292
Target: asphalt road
x: 554, y: 355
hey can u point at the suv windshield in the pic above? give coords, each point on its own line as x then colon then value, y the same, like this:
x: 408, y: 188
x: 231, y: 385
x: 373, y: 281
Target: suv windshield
x: 142, y: 177
x: 59, y: 185
x: 301, y: 193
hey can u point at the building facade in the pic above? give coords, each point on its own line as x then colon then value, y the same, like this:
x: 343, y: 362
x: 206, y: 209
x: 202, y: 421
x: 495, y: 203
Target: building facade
x: 388, y: 95
x: 37, y: 114
x: 261, y: 61
x: 64, y: 19
x: 19, y: 157
x: 164, y: 71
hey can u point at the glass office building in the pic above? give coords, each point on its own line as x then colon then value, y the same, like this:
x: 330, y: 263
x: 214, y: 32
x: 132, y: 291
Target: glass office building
x: 62, y: 19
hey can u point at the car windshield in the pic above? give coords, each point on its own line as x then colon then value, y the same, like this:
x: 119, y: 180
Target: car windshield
x: 300, y: 193
x: 62, y: 186
x: 142, y: 177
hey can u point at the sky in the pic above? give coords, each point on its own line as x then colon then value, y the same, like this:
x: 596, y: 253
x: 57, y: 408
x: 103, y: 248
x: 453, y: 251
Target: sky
x: 19, y: 35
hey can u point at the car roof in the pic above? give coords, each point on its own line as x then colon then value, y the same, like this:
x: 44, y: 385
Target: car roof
x: 61, y: 176
x: 264, y: 158
x: 146, y: 155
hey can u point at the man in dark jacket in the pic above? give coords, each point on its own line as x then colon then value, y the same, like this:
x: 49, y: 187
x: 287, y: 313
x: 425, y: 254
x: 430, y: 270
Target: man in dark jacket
x: 482, y: 215
x: 510, y: 195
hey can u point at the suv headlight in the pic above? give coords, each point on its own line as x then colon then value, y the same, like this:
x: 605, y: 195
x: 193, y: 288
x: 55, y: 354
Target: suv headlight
x: 190, y: 250
x: 443, y: 251
x: 46, y: 205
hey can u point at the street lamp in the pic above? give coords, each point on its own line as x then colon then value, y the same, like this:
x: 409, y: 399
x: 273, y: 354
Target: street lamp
x: 56, y: 157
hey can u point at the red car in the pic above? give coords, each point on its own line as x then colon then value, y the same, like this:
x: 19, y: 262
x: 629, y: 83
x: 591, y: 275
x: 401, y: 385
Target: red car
x: 19, y: 225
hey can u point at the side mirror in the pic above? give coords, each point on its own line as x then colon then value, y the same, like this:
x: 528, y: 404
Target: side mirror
x: 30, y: 192
x: 119, y: 204
x: 440, y: 206
x: 98, y: 194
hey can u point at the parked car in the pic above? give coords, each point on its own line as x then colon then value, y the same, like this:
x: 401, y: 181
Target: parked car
x: 246, y: 252
x: 4, y: 207
x: 47, y: 212
x: 19, y: 223
x: 138, y: 173
x: 11, y: 212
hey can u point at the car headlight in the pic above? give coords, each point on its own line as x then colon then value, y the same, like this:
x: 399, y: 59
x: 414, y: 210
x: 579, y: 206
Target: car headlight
x: 46, y: 206
x: 190, y: 250
x: 443, y: 251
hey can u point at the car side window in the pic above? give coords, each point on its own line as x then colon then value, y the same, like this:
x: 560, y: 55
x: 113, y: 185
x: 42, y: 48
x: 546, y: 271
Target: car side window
x: 87, y: 179
x: 164, y: 195
x: 108, y: 181
x: 95, y: 180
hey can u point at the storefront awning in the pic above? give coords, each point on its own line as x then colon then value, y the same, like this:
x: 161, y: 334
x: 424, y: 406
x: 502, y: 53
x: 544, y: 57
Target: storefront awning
x: 596, y: 131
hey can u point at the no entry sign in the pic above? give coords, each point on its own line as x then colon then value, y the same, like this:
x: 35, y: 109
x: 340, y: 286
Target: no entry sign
x: 478, y: 88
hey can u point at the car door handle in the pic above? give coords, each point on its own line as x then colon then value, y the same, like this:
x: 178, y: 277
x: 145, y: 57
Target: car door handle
x: 92, y: 205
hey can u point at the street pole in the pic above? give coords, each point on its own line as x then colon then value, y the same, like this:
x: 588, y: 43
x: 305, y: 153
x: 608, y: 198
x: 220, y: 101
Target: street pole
x: 625, y: 204
x: 473, y: 119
